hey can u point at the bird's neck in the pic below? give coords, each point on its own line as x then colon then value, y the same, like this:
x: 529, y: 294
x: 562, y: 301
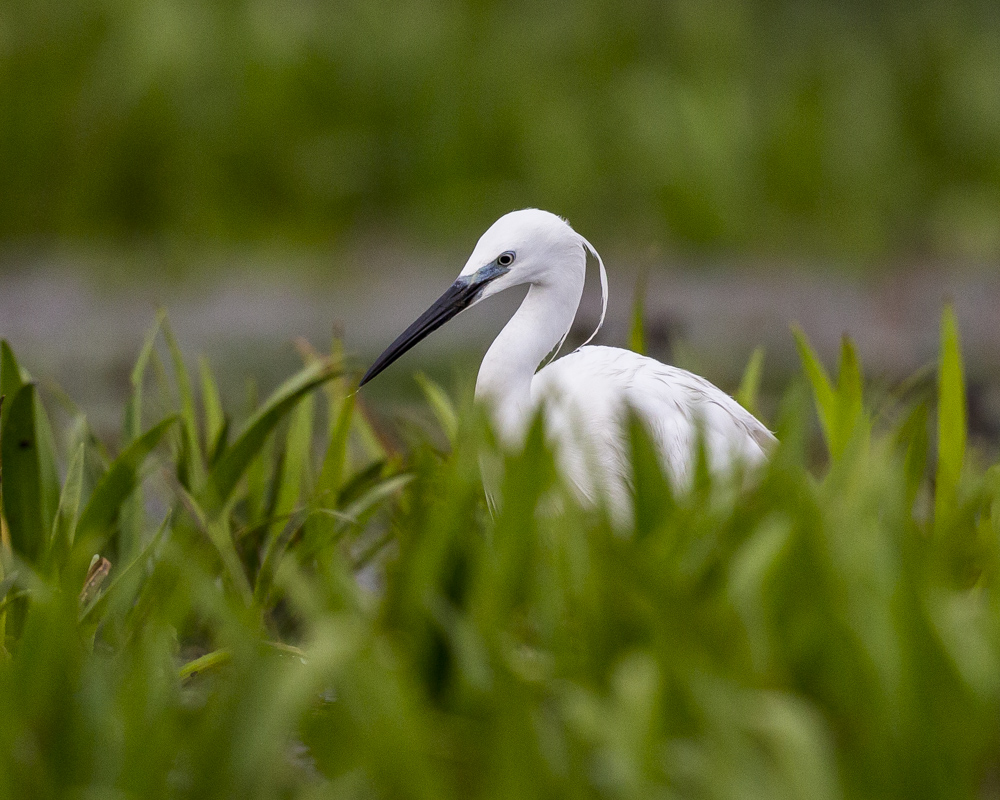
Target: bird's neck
x: 504, y: 382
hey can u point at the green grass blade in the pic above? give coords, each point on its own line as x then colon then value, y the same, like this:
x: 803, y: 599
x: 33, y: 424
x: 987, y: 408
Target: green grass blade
x: 441, y: 405
x: 331, y: 474
x: 161, y: 380
x: 337, y: 390
x: 850, y: 389
x: 823, y: 393
x: 282, y: 533
x: 215, y: 526
x: 360, y: 482
x: 204, y: 663
x: 749, y: 389
x: 652, y: 493
x: 220, y: 533
x: 914, y: 436
x: 234, y: 462
x: 951, y: 421
x: 372, y: 444
x: 132, y: 513
x: 215, y: 419
x: 299, y: 475
x: 47, y: 471
x: 124, y: 474
x: 259, y: 481
x: 292, y: 475
x: 356, y: 510
x: 132, y: 426
x: 64, y: 527
x: 194, y: 459
x: 328, y: 524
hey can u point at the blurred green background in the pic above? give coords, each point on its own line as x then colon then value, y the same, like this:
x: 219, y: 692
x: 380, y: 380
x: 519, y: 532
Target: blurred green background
x: 866, y: 133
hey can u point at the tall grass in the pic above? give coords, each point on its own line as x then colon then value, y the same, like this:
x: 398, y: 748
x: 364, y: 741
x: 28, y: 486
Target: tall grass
x: 285, y: 602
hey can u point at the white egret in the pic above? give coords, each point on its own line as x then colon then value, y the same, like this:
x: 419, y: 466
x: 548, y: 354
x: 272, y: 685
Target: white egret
x: 586, y: 394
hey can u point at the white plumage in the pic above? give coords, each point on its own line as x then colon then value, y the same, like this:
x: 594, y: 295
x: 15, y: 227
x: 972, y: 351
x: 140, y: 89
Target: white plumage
x: 587, y: 393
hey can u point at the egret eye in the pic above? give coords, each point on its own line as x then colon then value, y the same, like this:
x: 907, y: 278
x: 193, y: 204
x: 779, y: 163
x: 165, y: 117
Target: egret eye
x: 505, y: 259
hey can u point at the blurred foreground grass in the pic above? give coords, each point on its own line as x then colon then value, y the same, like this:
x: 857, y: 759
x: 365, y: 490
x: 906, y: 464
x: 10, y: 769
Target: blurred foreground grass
x: 224, y: 609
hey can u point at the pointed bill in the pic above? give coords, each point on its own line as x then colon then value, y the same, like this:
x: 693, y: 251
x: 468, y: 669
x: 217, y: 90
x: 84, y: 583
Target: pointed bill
x: 463, y: 293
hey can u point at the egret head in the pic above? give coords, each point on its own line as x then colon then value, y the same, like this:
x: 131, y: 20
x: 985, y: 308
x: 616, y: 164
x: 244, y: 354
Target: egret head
x: 528, y: 246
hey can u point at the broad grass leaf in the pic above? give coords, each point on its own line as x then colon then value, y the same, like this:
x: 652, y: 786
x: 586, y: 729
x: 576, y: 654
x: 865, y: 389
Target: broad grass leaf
x: 340, y: 417
x: 11, y: 378
x: 297, y: 476
x: 30, y: 491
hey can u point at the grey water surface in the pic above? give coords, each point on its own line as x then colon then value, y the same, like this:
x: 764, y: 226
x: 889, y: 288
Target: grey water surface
x: 84, y: 334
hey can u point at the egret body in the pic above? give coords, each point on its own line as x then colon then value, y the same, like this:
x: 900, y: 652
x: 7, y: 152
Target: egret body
x: 586, y: 394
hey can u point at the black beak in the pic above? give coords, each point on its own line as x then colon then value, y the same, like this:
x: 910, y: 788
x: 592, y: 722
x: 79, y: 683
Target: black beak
x: 459, y: 296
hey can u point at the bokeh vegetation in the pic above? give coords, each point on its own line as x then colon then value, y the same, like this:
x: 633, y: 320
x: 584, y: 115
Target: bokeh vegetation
x: 850, y: 129
x: 222, y: 608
